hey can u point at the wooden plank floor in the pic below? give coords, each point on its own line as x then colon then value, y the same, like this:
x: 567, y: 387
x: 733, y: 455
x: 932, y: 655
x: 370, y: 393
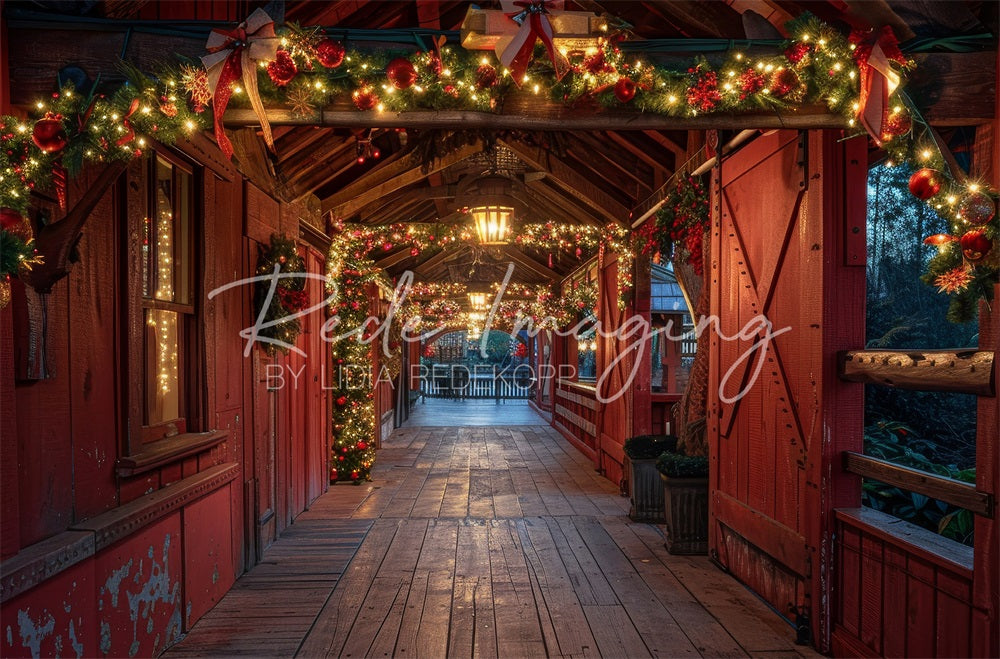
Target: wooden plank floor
x: 495, y: 541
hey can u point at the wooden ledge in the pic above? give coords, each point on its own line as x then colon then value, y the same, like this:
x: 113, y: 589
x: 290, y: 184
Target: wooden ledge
x: 936, y: 548
x: 169, y: 450
x: 124, y: 520
x: 36, y: 563
x: 43, y: 560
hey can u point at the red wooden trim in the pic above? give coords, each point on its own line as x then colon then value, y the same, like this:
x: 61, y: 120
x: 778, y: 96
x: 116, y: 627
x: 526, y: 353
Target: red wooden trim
x: 910, y: 538
x: 168, y: 450
x: 10, y: 531
x: 36, y: 563
x: 772, y: 537
x: 580, y: 446
x: 124, y: 520
x: 844, y: 644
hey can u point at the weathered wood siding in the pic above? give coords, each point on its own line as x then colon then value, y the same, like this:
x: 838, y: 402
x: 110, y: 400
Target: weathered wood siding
x: 99, y: 564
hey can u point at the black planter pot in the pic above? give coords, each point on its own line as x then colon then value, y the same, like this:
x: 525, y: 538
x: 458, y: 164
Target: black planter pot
x: 647, y: 491
x: 685, y: 506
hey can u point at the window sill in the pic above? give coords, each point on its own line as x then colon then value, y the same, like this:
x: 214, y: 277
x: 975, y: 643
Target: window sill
x: 171, y: 450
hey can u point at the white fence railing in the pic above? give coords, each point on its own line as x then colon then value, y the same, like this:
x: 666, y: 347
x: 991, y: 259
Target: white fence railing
x: 460, y: 381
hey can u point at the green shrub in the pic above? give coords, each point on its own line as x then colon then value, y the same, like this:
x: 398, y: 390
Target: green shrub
x: 675, y: 465
x: 649, y: 447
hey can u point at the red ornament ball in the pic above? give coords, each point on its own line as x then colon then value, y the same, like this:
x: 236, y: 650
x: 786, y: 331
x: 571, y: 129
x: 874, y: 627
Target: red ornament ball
x: 925, y: 183
x: 282, y: 70
x: 355, y: 475
x: 977, y: 208
x: 330, y: 53
x: 414, y: 251
x: 624, y: 90
x: 975, y: 244
x: 365, y: 99
x: 49, y: 134
x: 896, y: 124
x: 387, y: 247
x: 486, y: 77
x: 362, y: 446
x: 342, y: 400
x: 784, y: 82
x: 401, y: 73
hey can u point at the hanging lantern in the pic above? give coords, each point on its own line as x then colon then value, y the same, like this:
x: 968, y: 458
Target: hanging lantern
x: 492, y: 223
x: 477, y: 301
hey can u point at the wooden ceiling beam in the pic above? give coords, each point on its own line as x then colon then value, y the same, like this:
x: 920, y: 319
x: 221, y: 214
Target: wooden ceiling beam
x: 623, y: 140
x: 571, y: 180
x: 701, y: 19
x: 303, y: 137
x: 439, y: 202
x: 319, y: 158
x: 565, y: 208
x: 392, y: 177
x: 550, y: 118
x: 438, y: 259
x: 520, y: 258
x: 626, y: 166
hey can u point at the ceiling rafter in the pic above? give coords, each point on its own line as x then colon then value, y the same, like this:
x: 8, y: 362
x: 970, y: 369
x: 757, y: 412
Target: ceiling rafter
x: 625, y: 141
x: 571, y: 180
x: 391, y: 177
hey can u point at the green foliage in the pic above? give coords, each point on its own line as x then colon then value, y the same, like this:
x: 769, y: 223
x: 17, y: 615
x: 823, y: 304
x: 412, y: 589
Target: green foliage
x: 900, y: 445
x: 675, y: 465
x: 648, y: 447
x: 14, y: 253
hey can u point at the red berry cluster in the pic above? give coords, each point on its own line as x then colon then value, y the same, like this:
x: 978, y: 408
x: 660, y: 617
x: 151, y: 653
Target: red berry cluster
x: 704, y: 93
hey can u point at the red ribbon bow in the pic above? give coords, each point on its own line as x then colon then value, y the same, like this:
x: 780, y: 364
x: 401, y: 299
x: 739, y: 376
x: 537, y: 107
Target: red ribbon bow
x: 232, y: 54
x: 873, y: 51
x: 534, y: 24
x: 129, y: 131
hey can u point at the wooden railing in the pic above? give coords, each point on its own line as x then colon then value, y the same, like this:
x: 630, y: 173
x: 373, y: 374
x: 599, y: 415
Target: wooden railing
x: 891, y: 572
x: 948, y: 490
x: 962, y: 371
x: 574, y: 412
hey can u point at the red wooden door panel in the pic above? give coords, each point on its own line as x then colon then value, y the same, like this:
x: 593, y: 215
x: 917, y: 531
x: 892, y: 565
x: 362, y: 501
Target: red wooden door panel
x: 613, y: 371
x: 779, y: 251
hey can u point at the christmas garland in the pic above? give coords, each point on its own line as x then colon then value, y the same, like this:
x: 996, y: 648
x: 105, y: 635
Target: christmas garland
x: 551, y: 238
x: 303, y: 69
x: 289, y: 296
x: 350, y: 276
x: 682, y: 221
x: 17, y: 251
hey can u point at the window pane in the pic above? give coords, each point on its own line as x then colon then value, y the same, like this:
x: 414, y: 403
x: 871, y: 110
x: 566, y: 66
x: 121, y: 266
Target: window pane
x: 162, y: 348
x: 182, y: 224
x: 163, y: 248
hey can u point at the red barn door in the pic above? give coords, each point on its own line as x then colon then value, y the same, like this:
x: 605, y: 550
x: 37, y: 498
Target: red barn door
x: 788, y: 244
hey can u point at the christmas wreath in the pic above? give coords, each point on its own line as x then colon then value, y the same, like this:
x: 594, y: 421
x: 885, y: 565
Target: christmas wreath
x: 287, y: 299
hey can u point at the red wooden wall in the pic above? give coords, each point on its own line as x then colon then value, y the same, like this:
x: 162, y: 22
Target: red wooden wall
x: 100, y: 564
x: 791, y: 256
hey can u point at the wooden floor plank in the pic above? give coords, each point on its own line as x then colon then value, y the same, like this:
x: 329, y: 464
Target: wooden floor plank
x: 486, y: 541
